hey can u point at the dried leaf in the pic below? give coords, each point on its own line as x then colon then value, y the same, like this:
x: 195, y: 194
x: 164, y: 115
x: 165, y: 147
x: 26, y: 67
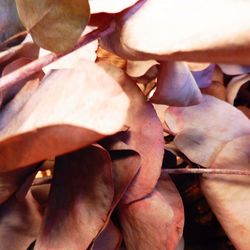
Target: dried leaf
x: 54, y: 25
x: 71, y: 109
x: 20, y: 223
x: 203, y: 130
x: 154, y: 222
x: 125, y: 166
x: 145, y: 135
x: 87, y: 52
x: 173, y: 31
x: 228, y: 195
x: 74, y: 219
x: 176, y: 86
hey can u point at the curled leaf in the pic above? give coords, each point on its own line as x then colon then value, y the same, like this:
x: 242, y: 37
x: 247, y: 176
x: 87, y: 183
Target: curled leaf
x: 176, y: 86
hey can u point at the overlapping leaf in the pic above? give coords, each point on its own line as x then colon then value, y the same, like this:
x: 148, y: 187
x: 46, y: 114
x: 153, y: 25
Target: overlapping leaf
x: 176, y: 86
x: 80, y: 200
x: 69, y: 110
x: 154, y: 222
x: 184, y: 31
x: 54, y: 25
x: 145, y: 135
x: 201, y: 137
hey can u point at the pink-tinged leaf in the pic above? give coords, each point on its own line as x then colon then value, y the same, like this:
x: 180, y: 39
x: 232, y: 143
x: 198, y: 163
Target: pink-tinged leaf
x: 145, y: 136
x: 125, y: 166
x: 176, y: 86
x: 110, y: 6
x: 184, y: 31
x: 72, y: 108
x: 202, y: 130
x: 229, y: 195
x: 87, y: 52
x: 110, y: 239
x: 154, y: 222
x: 10, y: 92
x: 203, y: 77
x: 231, y: 69
x: 80, y: 199
x: 14, y: 107
x: 20, y: 223
x: 234, y: 86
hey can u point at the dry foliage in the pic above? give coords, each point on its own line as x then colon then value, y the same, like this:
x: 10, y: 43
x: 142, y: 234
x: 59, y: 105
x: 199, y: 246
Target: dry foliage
x: 93, y: 120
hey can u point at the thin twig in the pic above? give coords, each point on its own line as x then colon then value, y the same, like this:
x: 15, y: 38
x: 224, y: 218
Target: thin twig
x: 207, y: 171
x: 9, y: 80
x: 10, y: 39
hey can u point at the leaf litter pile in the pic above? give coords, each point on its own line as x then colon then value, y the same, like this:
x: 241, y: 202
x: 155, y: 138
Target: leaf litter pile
x: 124, y: 125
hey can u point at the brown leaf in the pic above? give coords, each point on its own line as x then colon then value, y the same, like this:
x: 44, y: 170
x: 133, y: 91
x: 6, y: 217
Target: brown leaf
x: 145, y: 135
x: 125, y: 166
x: 176, y: 86
x: 80, y: 199
x: 203, y: 130
x: 20, y: 223
x: 228, y: 195
x: 54, y: 25
x: 156, y: 221
x: 72, y: 108
x: 163, y: 30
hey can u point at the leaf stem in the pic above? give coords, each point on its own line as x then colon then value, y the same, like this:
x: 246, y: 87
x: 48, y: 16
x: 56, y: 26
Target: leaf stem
x: 23, y: 72
x: 179, y: 171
